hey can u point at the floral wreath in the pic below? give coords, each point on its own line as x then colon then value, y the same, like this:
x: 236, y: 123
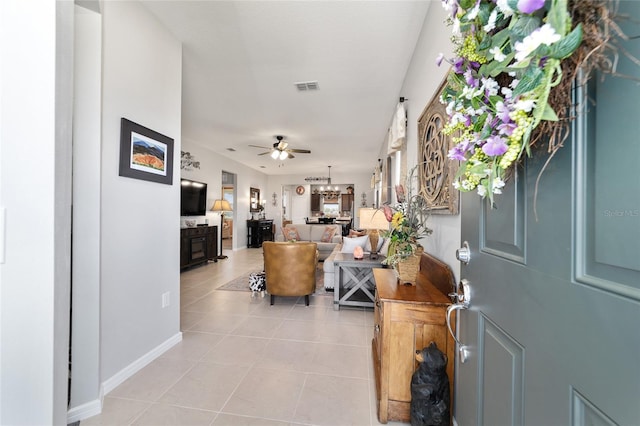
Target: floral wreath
x: 508, y: 58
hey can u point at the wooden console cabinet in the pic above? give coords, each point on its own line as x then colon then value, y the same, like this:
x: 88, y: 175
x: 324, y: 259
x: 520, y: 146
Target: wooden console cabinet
x: 198, y: 245
x: 258, y: 231
x: 407, y: 318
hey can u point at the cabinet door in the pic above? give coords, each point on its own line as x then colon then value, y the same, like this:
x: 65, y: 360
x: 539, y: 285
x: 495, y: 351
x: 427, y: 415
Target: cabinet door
x: 347, y: 202
x: 212, y: 243
x: 315, y: 202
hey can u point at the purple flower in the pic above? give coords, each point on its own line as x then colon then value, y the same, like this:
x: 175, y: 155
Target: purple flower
x: 470, y: 80
x: 456, y: 153
x: 529, y: 6
x: 506, y: 128
x: 503, y: 112
x: 458, y: 65
x: 439, y: 59
x: 495, y: 146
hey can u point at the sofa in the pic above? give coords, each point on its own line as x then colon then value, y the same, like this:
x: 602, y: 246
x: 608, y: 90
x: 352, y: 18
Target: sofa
x: 313, y: 233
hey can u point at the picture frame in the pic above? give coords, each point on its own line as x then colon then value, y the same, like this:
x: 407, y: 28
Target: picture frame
x: 145, y: 154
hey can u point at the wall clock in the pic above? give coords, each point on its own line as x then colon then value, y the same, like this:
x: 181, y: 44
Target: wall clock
x: 300, y: 190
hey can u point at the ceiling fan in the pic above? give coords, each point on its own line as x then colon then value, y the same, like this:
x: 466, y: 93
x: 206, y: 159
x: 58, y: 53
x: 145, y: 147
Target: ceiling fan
x: 280, y: 150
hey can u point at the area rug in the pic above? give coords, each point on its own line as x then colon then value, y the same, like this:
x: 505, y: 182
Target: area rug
x: 241, y: 283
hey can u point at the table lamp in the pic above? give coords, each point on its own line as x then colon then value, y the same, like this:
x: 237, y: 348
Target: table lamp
x: 373, y: 220
x: 221, y: 206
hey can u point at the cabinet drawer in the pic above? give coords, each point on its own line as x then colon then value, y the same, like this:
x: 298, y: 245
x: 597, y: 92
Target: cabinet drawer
x: 417, y: 314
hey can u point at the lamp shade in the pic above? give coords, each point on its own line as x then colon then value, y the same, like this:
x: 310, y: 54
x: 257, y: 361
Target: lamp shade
x: 221, y: 206
x: 372, y: 219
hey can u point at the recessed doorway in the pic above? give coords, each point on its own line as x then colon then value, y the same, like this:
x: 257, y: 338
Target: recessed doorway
x: 229, y: 194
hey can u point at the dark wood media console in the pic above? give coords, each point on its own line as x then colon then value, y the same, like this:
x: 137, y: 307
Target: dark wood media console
x: 198, y: 245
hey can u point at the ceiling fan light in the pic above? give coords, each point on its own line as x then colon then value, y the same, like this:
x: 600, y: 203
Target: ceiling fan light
x: 283, y: 155
x: 275, y: 154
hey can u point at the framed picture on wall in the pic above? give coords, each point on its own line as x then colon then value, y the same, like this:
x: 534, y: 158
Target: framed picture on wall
x: 145, y: 154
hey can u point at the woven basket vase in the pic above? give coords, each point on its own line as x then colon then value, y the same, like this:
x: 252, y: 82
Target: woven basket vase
x: 409, y: 268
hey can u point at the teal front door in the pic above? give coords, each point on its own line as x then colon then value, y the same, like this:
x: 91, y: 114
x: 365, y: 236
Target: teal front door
x: 552, y: 332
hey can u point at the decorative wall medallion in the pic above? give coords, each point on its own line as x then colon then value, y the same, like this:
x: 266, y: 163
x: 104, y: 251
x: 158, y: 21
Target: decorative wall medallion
x: 300, y: 190
x: 436, y: 171
x: 188, y: 161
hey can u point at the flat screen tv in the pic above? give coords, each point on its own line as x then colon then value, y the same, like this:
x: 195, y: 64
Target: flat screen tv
x: 193, y: 198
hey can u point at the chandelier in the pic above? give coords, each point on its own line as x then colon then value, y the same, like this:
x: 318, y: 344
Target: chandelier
x: 329, y: 192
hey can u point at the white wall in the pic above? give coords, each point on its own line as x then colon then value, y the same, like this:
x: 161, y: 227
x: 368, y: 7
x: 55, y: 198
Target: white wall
x: 85, y: 321
x: 422, y: 80
x: 139, y: 219
x: 35, y: 190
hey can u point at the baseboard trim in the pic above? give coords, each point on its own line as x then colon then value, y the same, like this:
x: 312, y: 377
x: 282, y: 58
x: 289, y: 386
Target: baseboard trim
x: 86, y: 410
x: 140, y: 363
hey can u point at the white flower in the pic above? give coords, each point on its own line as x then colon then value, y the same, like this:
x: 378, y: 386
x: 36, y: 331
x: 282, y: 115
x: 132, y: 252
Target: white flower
x: 450, y: 107
x: 474, y: 12
x: 469, y: 92
x: 490, y: 85
x: 497, y: 185
x: 543, y: 35
x: 497, y: 54
x: 482, y: 191
x: 456, y: 185
x: 457, y: 118
x: 514, y: 83
x: 525, y: 105
x: 450, y: 6
x: 455, y: 28
x: 492, y: 21
x: 503, y: 5
x: 506, y: 92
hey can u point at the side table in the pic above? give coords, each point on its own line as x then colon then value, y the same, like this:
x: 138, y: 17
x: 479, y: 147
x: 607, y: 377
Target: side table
x: 355, y: 285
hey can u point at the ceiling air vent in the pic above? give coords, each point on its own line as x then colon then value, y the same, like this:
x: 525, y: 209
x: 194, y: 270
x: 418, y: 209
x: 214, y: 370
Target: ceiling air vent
x: 304, y: 86
x: 231, y: 149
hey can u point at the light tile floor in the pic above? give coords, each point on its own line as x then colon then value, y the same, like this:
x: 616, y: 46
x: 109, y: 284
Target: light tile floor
x: 244, y: 362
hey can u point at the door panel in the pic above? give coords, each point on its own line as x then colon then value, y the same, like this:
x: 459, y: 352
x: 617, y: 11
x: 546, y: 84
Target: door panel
x: 503, y: 370
x: 607, y: 198
x: 502, y: 229
x: 552, y: 327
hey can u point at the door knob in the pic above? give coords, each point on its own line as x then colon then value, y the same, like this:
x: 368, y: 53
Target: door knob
x: 463, y: 254
x: 463, y: 297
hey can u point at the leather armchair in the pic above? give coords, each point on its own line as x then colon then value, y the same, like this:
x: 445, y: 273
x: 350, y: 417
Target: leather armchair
x: 290, y: 268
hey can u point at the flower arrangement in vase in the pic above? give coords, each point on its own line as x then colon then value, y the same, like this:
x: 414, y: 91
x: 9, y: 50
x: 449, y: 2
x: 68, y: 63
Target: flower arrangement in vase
x: 408, y: 225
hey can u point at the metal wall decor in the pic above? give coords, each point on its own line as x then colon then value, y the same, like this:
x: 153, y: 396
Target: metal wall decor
x: 436, y: 171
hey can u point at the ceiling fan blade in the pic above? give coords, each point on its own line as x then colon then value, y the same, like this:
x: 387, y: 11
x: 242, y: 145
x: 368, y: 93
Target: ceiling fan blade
x: 265, y: 153
x: 290, y: 154
x: 258, y: 146
x: 299, y: 151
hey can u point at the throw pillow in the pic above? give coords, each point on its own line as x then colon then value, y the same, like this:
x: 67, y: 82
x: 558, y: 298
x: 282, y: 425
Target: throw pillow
x: 291, y: 233
x: 348, y: 244
x: 384, y: 250
x: 328, y: 234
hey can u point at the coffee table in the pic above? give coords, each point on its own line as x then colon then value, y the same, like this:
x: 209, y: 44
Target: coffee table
x: 355, y: 286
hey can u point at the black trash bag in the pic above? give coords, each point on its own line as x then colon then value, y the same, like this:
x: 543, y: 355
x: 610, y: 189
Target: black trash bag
x: 430, y: 389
